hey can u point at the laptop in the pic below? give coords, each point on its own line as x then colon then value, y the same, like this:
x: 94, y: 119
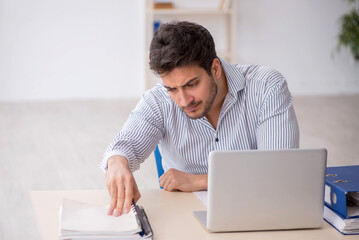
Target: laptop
x: 265, y: 190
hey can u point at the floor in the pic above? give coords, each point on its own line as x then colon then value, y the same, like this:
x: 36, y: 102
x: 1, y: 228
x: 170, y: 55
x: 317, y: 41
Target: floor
x: 58, y: 145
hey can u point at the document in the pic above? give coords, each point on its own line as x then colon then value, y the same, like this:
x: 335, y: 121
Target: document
x: 342, y: 224
x: 83, y: 220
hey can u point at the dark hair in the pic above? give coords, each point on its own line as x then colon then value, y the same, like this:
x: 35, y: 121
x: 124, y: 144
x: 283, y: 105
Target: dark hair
x: 178, y: 44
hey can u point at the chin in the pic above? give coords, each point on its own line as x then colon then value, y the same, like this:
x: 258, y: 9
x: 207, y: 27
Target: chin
x: 194, y: 115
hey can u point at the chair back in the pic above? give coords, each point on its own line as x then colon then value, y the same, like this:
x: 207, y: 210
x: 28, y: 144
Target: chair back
x: 158, y: 159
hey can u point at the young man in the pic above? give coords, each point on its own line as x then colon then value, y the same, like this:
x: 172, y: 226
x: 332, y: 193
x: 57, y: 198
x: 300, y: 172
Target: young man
x: 204, y: 104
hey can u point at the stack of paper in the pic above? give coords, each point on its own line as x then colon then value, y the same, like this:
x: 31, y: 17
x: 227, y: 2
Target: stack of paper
x: 87, y: 221
x: 343, y: 224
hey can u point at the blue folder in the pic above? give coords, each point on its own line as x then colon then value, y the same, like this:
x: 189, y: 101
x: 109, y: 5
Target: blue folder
x: 341, y: 183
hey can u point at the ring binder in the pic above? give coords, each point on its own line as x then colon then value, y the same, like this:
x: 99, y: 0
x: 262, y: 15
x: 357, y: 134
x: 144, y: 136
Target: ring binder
x: 342, y: 183
x: 142, y: 220
x: 341, y: 208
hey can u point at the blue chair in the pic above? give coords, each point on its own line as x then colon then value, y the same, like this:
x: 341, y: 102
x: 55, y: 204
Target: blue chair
x: 158, y: 159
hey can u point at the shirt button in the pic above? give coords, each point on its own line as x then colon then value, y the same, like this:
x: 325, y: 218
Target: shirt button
x: 217, y: 139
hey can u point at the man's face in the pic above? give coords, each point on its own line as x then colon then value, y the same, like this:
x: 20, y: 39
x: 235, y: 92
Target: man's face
x: 192, y: 89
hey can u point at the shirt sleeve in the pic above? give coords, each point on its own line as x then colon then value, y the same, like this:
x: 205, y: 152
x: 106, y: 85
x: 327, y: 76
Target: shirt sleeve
x: 140, y: 134
x: 277, y: 127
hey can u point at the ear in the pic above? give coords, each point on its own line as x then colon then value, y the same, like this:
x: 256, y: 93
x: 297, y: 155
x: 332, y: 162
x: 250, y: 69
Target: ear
x: 216, y: 68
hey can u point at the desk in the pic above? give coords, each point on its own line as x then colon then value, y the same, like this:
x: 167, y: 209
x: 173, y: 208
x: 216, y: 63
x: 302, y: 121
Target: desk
x: 170, y: 215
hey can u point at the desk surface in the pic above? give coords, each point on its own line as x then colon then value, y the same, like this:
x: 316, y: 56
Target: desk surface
x: 170, y: 215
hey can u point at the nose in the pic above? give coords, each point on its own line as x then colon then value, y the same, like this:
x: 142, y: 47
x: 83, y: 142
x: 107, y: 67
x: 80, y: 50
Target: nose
x: 184, y: 99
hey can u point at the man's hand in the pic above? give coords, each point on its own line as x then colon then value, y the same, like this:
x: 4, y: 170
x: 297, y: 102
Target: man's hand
x: 121, y: 186
x: 175, y: 180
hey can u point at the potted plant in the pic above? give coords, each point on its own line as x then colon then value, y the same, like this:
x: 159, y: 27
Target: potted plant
x: 349, y: 32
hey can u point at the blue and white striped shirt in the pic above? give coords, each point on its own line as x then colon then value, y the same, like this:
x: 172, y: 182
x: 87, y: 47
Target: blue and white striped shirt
x: 257, y: 113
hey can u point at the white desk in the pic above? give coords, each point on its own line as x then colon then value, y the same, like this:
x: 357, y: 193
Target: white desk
x: 170, y: 215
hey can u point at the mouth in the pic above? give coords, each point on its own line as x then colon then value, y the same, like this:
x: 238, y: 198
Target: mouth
x: 192, y: 107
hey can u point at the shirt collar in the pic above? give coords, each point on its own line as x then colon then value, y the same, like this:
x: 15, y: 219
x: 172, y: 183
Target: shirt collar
x: 235, y: 79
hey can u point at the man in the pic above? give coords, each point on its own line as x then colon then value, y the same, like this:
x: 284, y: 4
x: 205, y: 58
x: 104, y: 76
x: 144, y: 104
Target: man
x: 204, y: 104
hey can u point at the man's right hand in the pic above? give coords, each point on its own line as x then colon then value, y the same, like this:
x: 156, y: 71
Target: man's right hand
x: 121, y: 186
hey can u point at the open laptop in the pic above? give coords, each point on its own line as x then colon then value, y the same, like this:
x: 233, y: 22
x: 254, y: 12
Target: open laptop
x: 265, y: 190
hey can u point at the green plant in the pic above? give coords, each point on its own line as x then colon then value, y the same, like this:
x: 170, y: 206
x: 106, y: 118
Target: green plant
x: 349, y: 33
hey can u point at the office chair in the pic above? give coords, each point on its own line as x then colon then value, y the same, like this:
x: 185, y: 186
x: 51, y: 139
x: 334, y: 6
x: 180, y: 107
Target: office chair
x: 158, y: 159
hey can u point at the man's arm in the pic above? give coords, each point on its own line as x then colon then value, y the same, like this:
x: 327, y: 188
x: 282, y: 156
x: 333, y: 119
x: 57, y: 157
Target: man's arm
x: 131, y: 146
x: 278, y: 128
x: 121, y: 186
x: 175, y: 180
x: 140, y: 134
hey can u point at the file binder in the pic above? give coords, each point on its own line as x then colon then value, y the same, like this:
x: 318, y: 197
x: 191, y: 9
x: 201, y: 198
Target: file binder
x: 342, y: 190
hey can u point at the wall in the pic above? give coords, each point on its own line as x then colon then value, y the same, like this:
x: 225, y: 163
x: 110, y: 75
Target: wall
x: 298, y: 38
x: 88, y: 49
x: 71, y: 49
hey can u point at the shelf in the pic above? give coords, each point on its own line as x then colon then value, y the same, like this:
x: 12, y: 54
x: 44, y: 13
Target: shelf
x: 189, y: 11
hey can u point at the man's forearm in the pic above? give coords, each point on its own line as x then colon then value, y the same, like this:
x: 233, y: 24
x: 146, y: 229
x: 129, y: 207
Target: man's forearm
x: 201, y: 182
x: 174, y: 179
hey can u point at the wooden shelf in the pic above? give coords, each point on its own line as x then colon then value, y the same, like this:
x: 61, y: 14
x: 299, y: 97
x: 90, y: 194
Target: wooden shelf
x: 189, y: 11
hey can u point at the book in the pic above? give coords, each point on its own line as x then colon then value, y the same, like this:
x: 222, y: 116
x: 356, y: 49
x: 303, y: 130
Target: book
x: 79, y: 220
x: 342, y: 190
x: 156, y: 26
x: 162, y: 5
x: 344, y: 225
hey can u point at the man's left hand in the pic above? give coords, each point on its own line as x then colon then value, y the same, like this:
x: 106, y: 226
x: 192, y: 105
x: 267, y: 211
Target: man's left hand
x: 175, y: 180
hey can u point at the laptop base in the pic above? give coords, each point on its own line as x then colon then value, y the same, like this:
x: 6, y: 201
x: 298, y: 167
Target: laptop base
x: 201, y: 217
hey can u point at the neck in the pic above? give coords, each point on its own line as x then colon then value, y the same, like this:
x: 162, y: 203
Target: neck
x: 213, y: 114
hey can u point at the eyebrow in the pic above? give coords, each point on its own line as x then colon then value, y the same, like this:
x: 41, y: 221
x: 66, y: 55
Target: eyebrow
x: 187, y: 83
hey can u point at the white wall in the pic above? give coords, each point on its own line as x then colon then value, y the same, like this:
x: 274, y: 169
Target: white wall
x: 77, y: 49
x: 298, y: 38
x: 89, y: 49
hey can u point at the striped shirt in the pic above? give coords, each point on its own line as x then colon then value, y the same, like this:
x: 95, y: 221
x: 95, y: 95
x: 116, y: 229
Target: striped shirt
x: 257, y: 113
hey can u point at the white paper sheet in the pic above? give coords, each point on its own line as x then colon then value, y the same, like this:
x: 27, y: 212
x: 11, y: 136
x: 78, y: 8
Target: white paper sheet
x: 84, y: 217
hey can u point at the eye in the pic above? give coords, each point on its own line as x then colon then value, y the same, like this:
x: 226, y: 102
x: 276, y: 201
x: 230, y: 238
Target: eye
x: 171, y: 90
x: 192, y: 84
